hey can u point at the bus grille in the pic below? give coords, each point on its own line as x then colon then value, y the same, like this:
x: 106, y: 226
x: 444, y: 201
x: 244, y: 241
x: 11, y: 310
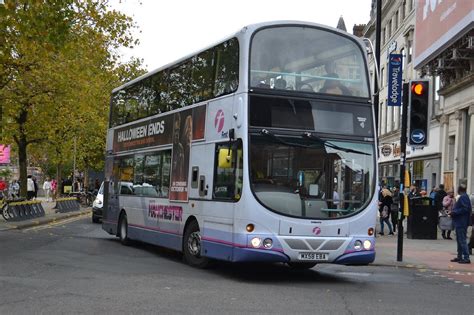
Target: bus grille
x: 314, y: 244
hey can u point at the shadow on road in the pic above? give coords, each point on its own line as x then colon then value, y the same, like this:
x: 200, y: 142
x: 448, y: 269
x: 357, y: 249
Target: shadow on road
x: 264, y: 273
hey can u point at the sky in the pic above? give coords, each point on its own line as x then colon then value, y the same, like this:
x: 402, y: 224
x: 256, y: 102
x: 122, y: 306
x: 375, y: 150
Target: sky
x: 171, y: 29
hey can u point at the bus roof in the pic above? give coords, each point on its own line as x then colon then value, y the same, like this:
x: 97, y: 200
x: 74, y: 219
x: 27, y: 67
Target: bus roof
x: 250, y: 29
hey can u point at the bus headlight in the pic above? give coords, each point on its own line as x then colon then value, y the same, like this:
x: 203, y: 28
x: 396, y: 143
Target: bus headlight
x: 367, y: 244
x: 256, y: 242
x: 357, y: 245
x: 268, y: 243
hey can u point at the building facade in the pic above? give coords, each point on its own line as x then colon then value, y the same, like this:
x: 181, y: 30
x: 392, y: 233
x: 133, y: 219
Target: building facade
x: 397, y: 36
x: 445, y: 35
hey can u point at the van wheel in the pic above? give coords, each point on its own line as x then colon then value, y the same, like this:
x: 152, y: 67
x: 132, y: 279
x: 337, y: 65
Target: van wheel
x: 192, y: 246
x: 302, y: 266
x: 95, y: 219
x: 123, y: 230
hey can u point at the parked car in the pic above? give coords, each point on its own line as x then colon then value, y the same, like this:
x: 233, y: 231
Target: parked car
x: 98, y: 204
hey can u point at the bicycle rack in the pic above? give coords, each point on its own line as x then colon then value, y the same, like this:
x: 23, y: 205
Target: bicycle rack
x: 66, y: 205
x: 23, y: 210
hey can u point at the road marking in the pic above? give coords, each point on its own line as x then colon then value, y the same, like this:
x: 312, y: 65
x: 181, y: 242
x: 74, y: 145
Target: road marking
x: 55, y: 223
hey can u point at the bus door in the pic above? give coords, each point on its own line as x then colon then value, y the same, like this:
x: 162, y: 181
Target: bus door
x: 110, y: 210
x: 226, y: 192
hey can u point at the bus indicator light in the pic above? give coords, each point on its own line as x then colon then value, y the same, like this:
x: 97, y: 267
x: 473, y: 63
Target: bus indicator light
x: 250, y: 227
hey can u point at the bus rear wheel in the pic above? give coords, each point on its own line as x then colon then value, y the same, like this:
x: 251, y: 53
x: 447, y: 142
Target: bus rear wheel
x: 123, y: 230
x: 192, y: 246
x: 302, y: 266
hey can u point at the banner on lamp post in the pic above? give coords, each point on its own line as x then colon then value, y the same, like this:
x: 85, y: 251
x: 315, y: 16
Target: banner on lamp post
x: 395, y: 63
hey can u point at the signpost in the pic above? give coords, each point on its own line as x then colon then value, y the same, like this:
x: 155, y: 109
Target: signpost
x: 395, y: 80
x: 404, y: 178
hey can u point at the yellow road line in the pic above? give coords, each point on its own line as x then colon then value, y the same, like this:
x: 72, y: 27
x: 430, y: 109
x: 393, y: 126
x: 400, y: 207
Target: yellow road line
x: 55, y: 223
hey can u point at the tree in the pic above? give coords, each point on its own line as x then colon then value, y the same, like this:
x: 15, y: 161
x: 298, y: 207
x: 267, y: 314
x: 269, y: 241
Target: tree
x: 58, y: 64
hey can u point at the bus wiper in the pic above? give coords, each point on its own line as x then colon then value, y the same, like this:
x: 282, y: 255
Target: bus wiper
x: 280, y: 140
x: 331, y: 145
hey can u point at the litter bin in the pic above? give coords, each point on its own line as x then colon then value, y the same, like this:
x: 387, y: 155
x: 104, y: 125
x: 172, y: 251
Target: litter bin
x: 422, y: 223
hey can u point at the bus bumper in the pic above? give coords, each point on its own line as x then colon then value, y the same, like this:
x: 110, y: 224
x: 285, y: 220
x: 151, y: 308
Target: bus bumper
x: 356, y: 258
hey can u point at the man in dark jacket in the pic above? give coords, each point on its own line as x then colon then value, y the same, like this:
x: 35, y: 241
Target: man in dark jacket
x: 438, y: 198
x: 461, y: 215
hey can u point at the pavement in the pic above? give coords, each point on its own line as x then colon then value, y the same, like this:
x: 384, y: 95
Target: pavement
x: 420, y: 254
x: 49, y: 217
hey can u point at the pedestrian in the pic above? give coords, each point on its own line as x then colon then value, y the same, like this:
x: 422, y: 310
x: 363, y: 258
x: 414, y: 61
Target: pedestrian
x: 394, y: 207
x: 30, y: 188
x: 445, y: 221
x: 3, y: 189
x: 461, y: 215
x: 54, y: 188
x: 36, y: 187
x: 16, y: 189
x: 439, y: 196
x: 414, y: 193
x: 433, y: 193
x: 47, y: 189
x: 13, y: 190
x: 384, y: 210
x: 471, y: 239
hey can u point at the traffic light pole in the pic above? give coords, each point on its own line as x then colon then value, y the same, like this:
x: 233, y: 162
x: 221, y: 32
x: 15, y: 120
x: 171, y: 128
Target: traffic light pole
x: 403, y: 148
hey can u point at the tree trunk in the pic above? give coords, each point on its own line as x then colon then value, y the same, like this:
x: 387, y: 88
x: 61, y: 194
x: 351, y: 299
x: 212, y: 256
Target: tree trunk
x: 22, y: 144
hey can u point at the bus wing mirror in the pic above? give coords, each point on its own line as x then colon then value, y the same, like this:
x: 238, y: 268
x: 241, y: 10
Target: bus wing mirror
x: 225, y: 158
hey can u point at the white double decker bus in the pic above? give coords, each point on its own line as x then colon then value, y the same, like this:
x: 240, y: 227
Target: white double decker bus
x: 258, y: 148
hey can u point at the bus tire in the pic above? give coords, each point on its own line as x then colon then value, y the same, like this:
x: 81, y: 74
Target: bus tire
x: 123, y: 230
x: 95, y: 219
x: 192, y: 246
x: 302, y: 266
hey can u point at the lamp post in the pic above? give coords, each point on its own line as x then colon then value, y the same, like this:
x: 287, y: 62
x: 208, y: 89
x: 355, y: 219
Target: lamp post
x: 74, y: 165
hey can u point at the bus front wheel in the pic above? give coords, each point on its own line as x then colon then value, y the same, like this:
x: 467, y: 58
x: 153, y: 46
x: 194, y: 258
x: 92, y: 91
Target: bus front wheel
x: 123, y: 230
x: 192, y: 246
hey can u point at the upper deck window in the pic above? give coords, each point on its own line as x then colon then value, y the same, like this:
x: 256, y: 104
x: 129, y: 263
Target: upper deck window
x: 307, y: 59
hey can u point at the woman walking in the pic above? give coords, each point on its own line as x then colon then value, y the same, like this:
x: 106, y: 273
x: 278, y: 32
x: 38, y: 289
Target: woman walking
x: 446, y: 222
x: 384, y: 209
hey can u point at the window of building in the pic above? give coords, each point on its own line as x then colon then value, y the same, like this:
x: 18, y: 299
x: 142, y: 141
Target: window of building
x: 402, y: 52
x: 389, y: 30
x: 437, y: 86
x: 383, y: 122
x: 451, y: 148
x: 382, y: 77
x: 467, y: 140
x: 410, y: 51
x: 402, y: 12
x: 396, y: 21
x: 418, y: 169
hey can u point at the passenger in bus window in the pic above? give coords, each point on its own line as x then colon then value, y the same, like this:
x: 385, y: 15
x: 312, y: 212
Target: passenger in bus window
x: 333, y: 86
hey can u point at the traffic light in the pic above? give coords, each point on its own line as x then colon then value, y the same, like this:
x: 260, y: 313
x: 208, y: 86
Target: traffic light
x: 419, y: 101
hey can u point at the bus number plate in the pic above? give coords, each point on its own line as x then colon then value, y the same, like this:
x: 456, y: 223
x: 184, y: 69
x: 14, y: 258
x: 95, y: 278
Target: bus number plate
x: 314, y: 256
